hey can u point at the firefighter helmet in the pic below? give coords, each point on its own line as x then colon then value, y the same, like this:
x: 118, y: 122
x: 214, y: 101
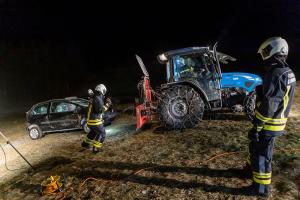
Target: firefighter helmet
x: 90, y: 92
x: 272, y: 46
x: 101, y: 89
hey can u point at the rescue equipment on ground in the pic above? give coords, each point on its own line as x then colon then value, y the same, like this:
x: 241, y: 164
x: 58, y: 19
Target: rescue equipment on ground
x: 51, y: 185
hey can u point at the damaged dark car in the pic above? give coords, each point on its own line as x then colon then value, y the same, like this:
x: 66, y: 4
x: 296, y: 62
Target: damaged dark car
x: 59, y: 115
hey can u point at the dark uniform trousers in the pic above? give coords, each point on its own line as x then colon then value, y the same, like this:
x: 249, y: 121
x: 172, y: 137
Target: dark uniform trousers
x: 272, y: 110
x: 96, y: 136
x: 260, y: 160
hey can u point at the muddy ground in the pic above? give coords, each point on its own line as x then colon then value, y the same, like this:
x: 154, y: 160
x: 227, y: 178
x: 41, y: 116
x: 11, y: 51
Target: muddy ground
x: 152, y: 164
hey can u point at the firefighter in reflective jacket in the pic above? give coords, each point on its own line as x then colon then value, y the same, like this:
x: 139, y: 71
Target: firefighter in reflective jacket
x: 273, y: 105
x: 96, y: 109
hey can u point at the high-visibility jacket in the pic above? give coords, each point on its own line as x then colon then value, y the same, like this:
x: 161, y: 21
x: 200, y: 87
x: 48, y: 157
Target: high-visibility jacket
x: 274, y: 104
x: 96, y: 110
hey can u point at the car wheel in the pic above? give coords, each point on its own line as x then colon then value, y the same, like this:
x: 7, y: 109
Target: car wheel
x: 35, y: 132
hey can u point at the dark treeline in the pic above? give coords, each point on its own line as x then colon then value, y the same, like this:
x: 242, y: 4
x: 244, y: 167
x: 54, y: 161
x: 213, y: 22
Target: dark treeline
x: 50, y: 50
x: 35, y: 70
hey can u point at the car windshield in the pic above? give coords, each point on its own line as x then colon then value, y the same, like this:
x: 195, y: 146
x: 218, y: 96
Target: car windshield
x: 82, y: 102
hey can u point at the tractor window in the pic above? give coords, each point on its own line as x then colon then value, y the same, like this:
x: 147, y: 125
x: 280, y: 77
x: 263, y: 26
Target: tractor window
x: 190, y: 66
x: 168, y: 71
x: 198, y: 68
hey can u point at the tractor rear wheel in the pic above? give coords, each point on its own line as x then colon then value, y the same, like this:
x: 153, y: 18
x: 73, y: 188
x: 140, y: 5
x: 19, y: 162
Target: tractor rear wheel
x: 180, y: 107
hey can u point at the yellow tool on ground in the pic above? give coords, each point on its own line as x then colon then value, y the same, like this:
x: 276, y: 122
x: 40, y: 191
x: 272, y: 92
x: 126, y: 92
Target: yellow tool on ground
x: 51, y: 185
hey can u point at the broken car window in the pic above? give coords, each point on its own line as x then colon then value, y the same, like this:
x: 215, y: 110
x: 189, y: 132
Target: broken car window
x: 40, y: 109
x: 58, y: 107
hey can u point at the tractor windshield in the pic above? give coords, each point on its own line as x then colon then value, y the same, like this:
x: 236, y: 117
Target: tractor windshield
x: 197, y: 68
x: 192, y: 66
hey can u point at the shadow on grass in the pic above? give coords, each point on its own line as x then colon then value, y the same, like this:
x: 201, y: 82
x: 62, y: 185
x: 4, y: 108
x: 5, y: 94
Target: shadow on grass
x: 204, y: 171
x: 108, y: 172
x: 226, y: 115
x: 126, y: 172
x: 50, y: 163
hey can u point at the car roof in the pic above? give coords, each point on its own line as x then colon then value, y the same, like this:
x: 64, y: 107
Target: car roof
x: 68, y: 99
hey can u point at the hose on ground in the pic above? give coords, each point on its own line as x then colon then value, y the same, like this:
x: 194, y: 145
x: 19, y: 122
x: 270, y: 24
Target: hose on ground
x: 5, y: 161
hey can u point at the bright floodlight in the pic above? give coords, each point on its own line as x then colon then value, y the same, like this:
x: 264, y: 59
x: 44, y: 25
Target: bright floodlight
x: 163, y: 57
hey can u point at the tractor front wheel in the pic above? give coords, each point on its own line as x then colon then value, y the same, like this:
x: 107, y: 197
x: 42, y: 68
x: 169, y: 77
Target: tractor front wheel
x: 180, y: 107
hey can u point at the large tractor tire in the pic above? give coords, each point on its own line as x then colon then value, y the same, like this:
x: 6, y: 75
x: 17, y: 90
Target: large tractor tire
x: 249, y: 105
x: 180, y: 107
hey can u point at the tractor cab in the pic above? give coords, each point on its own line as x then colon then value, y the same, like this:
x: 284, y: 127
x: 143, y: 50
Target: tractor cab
x: 198, y: 67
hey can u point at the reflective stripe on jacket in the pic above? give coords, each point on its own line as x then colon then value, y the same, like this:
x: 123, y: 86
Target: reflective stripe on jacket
x: 96, y: 110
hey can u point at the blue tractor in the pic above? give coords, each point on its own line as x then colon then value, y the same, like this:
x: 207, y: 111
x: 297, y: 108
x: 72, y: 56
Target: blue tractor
x: 194, y: 85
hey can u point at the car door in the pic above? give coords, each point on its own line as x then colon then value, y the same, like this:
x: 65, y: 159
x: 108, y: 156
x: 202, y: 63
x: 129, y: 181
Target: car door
x: 39, y: 115
x: 63, y: 115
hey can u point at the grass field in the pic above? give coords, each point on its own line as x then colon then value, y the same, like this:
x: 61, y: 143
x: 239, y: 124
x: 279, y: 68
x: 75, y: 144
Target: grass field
x: 199, y: 163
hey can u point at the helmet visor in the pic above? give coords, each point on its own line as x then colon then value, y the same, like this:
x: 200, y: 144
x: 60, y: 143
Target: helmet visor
x: 265, y: 53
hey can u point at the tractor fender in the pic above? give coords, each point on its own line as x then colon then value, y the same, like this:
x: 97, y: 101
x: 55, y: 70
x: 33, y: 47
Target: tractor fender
x: 195, y: 86
x: 242, y: 80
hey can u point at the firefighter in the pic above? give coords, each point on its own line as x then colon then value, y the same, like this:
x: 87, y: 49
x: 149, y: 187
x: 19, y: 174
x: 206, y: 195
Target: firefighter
x: 186, y: 67
x: 96, y: 109
x: 272, y: 109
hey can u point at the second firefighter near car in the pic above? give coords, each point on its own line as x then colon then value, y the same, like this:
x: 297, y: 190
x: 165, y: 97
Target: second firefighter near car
x: 96, y: 109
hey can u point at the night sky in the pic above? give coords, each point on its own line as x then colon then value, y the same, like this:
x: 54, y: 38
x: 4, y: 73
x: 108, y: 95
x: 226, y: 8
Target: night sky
x: 54, y: 49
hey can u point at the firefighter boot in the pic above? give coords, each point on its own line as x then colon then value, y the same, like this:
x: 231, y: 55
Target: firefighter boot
x: 87, y: 143
x: 97, y: 147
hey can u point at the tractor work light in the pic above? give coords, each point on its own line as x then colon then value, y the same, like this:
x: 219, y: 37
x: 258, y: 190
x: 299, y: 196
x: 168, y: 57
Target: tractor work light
x: 113, y: 131
x: 162, y: 57
x: 109, y: 131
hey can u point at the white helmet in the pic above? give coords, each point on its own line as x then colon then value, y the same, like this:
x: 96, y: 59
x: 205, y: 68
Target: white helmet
x: 101, y: 88
x: 272, y: 46
x: 90, y: 92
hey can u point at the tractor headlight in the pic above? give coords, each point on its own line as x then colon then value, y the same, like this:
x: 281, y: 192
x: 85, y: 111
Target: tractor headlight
x: 162, y: 57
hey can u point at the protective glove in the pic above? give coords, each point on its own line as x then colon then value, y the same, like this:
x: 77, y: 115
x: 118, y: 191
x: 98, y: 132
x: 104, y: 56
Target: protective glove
x: 253, y: 135
x: 108, y: 102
